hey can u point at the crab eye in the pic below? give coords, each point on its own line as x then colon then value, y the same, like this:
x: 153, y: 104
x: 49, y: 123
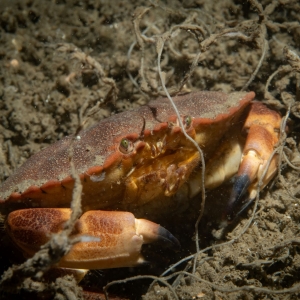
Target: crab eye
x: 126, y: 146
x: 187, y: 121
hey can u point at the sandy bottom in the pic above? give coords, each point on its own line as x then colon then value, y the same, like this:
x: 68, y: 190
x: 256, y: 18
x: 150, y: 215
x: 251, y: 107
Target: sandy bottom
x: 58, y: 59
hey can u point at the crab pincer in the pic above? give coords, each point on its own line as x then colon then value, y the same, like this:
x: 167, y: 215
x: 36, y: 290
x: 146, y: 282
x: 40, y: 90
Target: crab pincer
x: 257, y: 166
x: 120, y: 236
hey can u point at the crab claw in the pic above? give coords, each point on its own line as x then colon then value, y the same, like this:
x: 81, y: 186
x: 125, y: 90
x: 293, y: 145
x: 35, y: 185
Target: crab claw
x: 263, y: 127
x: 120, y: 236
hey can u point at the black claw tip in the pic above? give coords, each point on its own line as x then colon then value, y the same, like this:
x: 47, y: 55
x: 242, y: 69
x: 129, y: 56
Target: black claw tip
x: 167, y: 238
x: 238, y: 200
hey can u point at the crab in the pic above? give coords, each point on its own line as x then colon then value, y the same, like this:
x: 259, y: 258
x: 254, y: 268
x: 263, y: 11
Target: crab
x: 141, y: 162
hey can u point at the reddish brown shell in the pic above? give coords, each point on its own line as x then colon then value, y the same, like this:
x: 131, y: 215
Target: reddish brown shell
x: 48, y: 172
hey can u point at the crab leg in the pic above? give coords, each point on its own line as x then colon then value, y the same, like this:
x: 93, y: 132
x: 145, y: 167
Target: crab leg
x: 121, y: 236
x: 262, y: 127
